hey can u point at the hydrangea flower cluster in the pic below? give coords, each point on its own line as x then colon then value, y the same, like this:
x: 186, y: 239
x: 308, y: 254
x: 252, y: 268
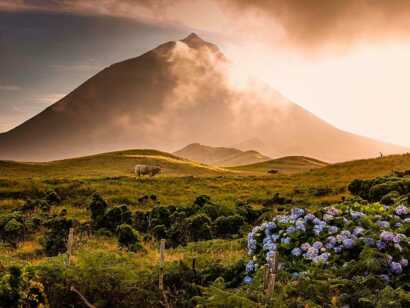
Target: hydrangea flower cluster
x: 331, y: 237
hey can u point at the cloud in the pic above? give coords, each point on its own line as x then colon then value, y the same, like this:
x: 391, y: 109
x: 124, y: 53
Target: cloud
x: 296, y: 23
x: 75, y: 67
x: 10, y: 88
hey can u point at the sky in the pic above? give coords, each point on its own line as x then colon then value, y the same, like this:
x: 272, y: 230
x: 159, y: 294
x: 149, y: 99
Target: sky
x: 346, y: 61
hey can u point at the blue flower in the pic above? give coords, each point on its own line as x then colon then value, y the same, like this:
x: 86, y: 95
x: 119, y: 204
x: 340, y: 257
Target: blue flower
x: 338, y: 249
x: 348, y: 243
x: 275, y: 237
x: 358, y: 231
x: 369, y: 241
x: 309, y: 217
x: 296, y: 252
x: 305, y: 246
x: 401, y: 210
x: 250, y: 267
x: 317, y: 245
x: 356, y: 215
x: 380, y: 245
x: 247, y: 279
x: 396, y: 268
x: 285, y: 240
x: 297, y: 212
x: 290, y: 229
x: 383, y: 224
x: 385, y: 277
x: 387, y: 236
x: 332, y: 229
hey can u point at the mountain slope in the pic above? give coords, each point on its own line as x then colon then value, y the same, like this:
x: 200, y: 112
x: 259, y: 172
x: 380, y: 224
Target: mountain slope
x: 220, y: 156
x: 164, y: 99
x: 289, y: 164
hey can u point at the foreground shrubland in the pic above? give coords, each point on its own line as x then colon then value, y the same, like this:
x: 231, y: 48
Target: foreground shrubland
x: 352, y: 253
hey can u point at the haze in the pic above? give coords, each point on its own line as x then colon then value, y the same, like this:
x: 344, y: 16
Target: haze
x: 348, y: 67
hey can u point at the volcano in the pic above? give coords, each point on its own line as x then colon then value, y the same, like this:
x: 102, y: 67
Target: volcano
x: 176, y: 94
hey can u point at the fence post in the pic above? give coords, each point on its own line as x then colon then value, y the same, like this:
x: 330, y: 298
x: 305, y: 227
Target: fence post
x: 70, y: 243
x: 161, y: 273
x: 270, y: 273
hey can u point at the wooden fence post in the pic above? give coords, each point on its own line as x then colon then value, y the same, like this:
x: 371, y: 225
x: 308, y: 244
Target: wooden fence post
x: 270, y: 273
x: 70, y: 243
x: 161, y: 273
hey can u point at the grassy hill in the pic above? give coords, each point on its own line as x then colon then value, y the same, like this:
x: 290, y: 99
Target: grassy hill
x: 112, y: 164
x: 289, y: 164
x: 220, y: 156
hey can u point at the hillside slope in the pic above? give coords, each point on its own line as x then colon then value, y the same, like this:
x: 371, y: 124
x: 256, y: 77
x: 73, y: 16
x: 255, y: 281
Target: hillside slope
x: 164, y: 99
x: 220, y: 156
x: 288, y: 165
x: 107, y: 165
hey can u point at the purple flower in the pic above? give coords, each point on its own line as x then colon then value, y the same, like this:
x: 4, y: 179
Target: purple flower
x: 321, y: 258
x: 356, y: 215
x: 380, y: 245
x: 250, y: 267
x: 369, y: 241
x: 285, y: 240
x: 383, y: 224
x: 275, y: 237
x: 387, y: 236
x: 332, y: 229
x: 404, y: 262
x: 300, y: 226
x: 305, y: 246
x: 309, y: 217
x: 311, y: 253
x: 290, y: 229
x: 385, y: 277
x: 337, y: 249
x: 317, y: 245
x: 333, y: 211
x: 396, y: 268
x: 296, y: 252
x: 297, y: 212
x: 358, y: 231
x: 247, y: 279
x: 348, y: 243
x: 401, y: 210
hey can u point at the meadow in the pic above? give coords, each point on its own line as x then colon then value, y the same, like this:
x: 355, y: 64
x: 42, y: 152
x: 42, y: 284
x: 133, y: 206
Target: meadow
x: 184, y: 198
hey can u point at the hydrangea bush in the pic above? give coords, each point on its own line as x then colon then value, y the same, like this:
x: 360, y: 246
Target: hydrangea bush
x: 333, y: 237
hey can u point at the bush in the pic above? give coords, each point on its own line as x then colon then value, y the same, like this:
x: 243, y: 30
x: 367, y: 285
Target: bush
x: 390, y: 198
x: 97, y: 207
x: 198, y: 227
x: 12, y: 228
x: 226, y: 226
x: 128, y: 238
x: 55, y: 239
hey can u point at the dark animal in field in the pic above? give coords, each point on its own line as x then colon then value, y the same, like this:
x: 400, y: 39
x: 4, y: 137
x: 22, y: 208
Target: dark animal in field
x: 273, y: 171
x: 141, y: 170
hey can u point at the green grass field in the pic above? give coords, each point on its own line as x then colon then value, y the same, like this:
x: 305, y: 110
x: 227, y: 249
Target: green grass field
x: 182, y: 181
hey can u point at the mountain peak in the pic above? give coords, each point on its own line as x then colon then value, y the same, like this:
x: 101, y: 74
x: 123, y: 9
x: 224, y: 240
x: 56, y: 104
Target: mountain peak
x: 194, y: 41
x: 192, y: 38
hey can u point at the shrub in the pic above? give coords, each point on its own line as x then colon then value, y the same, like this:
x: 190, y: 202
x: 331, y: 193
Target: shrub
x: 97, y: 207
x: 55, y: 239
x: 53, y: 198
x: 226, y: 226
x: 389, y: 198
x: 129, y: 238
x: 114, y: 217
x: 198, y: 227
x: 13, y: 232
x: 202, y: 200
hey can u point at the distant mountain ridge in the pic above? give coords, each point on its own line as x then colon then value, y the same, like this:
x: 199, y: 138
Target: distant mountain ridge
x: 168, y: 97
x: 220, y: 156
